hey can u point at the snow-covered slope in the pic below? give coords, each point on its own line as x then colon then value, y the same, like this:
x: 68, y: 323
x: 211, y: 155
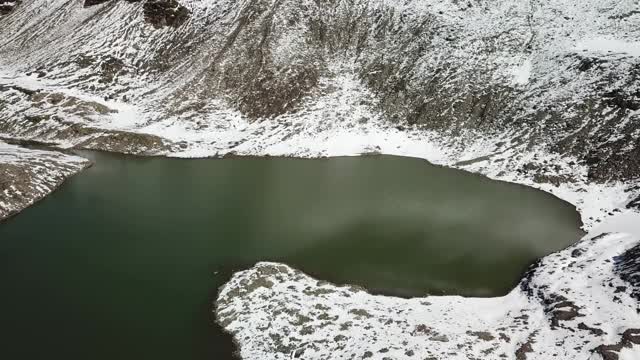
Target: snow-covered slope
x: 27, y: 176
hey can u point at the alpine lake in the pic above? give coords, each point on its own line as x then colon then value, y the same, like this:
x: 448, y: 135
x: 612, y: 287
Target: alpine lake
x: 124, y: 261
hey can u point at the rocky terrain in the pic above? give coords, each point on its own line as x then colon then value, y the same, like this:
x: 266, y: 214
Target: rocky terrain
x: 545, y: 94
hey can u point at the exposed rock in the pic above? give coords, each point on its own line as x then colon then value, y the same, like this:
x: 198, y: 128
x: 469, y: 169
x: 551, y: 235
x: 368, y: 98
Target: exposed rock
x: 111, y: 67
x: 563, y: 310
x: 124, y: 142
x: 7, y: 6
x: 594, y: 331
x: 88, y: 3
x: 162, y: 13
x: 483, y: 335
x: 623, y: 100
x: 634, y: 204
x: 587, y: 63
x: 629, y: 338
x: 523, y: 350
x: 627, y: 266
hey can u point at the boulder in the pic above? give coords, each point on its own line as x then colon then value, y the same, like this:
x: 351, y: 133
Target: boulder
x: 7, y: 6
x: 160, y: 13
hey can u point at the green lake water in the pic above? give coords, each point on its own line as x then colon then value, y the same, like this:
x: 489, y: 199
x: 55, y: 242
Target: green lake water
x: 125, y: 259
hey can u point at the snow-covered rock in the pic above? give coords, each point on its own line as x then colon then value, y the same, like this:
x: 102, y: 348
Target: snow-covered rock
x: 28, y: 175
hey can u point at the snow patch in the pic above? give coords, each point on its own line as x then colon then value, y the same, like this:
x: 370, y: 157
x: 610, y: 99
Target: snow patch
x: 609, y: 45
x: 522, y: 72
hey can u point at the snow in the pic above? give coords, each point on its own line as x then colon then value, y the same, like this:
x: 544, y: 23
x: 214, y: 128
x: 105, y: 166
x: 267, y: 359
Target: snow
x: 522, y: 73
x: 609, y: 45
x: 627, y: 222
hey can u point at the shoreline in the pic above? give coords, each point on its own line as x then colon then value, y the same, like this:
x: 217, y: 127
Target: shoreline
x: 78, y: 152
x: 32, y: 175
x: 561, y: 307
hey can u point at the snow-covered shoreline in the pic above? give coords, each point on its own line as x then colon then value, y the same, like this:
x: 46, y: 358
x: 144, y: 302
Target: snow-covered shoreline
x: 570, y: 306
x: 573, y: 304
x: 357, y: 129
x: 313, y: 314
x: 27, y: 175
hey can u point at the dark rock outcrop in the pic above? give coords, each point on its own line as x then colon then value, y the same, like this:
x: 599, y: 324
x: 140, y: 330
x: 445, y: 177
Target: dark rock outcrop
x: 587, y: 63
x: 7, y: 6
x: 634, y: 204
x: 161, y: 13
x: 627, y: 266
x: 88, y: 3
x: 618, y: 98
x: 630, y: 337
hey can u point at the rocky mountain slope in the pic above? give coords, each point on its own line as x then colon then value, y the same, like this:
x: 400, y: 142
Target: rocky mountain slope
x: 563, y: 74
x: 545, y: 94
x: 478, y: 80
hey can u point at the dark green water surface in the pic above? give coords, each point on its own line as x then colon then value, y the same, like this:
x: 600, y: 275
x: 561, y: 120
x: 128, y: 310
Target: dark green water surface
x: 124, y: 261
